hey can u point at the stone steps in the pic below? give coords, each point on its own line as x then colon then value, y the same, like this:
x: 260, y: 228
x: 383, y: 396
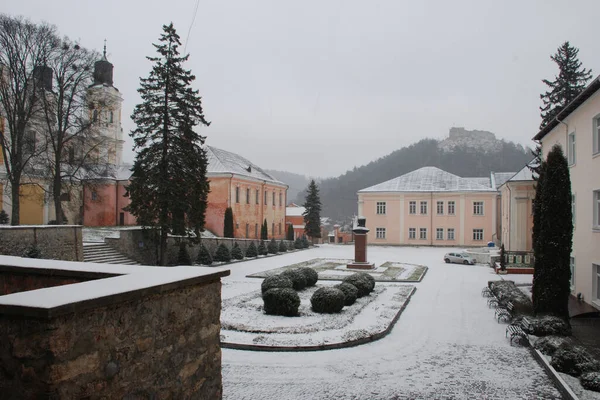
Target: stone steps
x: 103, y: 253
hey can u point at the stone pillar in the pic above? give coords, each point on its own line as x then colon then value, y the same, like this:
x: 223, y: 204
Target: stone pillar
x: 360, y: 246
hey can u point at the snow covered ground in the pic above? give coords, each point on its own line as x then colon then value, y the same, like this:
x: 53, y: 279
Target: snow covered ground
x: 446, y: 344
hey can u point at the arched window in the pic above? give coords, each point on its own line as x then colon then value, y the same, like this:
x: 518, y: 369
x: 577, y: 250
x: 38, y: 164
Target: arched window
x: 111, y: 117
x: 95, y: 116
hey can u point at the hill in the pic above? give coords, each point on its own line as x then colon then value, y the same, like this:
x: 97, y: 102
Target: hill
x: 462, y: 154
x: 297, y: 183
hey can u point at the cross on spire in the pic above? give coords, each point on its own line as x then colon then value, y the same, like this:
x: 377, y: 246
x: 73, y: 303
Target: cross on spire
x: 104, y: 49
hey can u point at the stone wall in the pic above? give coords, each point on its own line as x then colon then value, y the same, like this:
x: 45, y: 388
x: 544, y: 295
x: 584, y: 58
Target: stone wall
x: 158, y: 345
x: 137, y: 244
x: 58, y: 242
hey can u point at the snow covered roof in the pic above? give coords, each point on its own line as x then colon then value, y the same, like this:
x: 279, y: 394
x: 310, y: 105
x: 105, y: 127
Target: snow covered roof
x: 524, y: 174
x: 294, y: 211
x: 431, y: 179
x: 500, y: 177
x: 222, y: 161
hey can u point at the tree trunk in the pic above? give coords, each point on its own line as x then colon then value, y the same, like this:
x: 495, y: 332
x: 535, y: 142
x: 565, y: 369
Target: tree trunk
x: 56, y: 189
x: 15, y: 197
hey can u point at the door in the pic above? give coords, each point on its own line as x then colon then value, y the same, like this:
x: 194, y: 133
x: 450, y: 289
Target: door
x: 121, y: 219
x: 521, y: 226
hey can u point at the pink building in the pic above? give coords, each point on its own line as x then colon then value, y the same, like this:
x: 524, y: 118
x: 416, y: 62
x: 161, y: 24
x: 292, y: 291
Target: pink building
x: 517, y: 196
x: 433, y: 207
x: 294, y: 215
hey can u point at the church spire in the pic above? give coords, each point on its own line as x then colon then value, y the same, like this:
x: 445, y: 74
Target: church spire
x: 104, y: 53
x: 103, y: 70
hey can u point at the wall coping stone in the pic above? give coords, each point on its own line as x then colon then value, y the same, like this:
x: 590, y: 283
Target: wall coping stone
x: 112, y: 284
x: 40, y: 226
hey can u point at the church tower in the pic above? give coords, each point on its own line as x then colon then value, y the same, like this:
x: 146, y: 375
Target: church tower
x: 104, y: 106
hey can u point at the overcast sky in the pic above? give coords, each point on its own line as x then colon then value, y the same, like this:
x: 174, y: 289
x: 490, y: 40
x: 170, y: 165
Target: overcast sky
x: 317, y: 87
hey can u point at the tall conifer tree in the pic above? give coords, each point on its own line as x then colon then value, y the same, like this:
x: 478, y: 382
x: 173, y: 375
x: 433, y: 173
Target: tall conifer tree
x: 228, y: 223
x: 553, y: 237
x: 168, y: 186
x: 264, y: 231
x: 569, y: 82
x: 312, y: 212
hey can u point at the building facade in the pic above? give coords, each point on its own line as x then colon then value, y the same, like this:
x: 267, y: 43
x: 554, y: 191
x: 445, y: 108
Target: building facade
x: 577, y: 130
x: 294, y: 215
x: 517, y: 195
x: 432, y: 207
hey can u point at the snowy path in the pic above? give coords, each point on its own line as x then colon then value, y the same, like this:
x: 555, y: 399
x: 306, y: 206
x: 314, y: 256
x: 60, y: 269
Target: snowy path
x: 446, y: 344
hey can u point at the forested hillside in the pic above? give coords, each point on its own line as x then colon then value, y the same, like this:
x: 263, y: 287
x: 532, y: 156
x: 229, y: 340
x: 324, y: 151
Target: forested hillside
x: 297, y: 183
x: 338, y: 195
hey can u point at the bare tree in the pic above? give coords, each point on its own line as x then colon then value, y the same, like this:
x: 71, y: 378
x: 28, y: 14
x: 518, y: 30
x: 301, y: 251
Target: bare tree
x: 24, y: 49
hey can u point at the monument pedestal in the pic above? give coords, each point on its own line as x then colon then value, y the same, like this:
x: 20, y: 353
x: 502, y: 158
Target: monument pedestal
x: 360, y: 247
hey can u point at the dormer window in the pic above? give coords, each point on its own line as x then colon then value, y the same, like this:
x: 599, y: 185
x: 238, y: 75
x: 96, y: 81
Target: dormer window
x: 249, y: 169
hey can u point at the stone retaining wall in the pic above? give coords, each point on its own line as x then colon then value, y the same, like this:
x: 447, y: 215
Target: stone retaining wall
x: 57, y: 242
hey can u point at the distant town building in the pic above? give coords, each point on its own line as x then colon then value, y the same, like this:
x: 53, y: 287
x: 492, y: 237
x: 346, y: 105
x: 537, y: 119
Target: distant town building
x: 294, y: 215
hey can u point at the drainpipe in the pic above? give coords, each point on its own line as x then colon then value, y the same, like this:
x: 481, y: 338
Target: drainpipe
x: 509, y: 214
x: 116, y: 202
x: 566, y: 134
x: 431, y: 219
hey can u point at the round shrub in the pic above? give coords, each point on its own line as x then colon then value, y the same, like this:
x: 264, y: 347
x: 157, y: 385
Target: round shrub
x: 297, y: 277
x: 350, y: 292
x: 252, y: 251
x: 222, y: 253
x: 327, y: 300
x: 262, y: 249
x: 183, y: 257
x: 276, y: 281
x: 573, y: 360
x: 305, y: 242
x: 281, y: 301
x: 298, y: 243
x: 272, y: 247
x: 236, y: 252
x: 282, y: 247
x: 32, y: 252
x: 548, y: 344
x: 369, y: 278
x: 360, y: 282
x: 204, y: 257
x: 550, y: 325
x: 310, y: 274
x: 591, y: 381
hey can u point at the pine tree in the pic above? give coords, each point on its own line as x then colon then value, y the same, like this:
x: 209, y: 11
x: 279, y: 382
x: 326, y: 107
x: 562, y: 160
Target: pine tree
x: 251, y: 251
x: 228, y: 223
x: 571, y: 81
x: 3, y: 217
x: 290, y: 232
x: 236, y: 252
x: 553, y: 239
x: 204, y: 257
x: 502, y: 258
x: 222, y: 254
x: 183, y: 257
x: 282, y: 247
x: 168, y: 186
x: 298, y: 243
x: 262, y: 248
x: 264, y: 231
x: 272, y: 248
x: 312, y: 212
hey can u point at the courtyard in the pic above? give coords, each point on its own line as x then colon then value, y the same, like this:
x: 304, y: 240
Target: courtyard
x: 445, y: 345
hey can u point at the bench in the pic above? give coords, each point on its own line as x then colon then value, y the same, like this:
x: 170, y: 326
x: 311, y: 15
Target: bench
x: 504, y: 312
x: 519, y: 331
x: 486, y: 292
x: 492, y: 302
x: 526, y: 325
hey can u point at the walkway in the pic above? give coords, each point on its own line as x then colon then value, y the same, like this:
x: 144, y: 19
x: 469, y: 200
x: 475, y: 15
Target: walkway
x: 446, y: 344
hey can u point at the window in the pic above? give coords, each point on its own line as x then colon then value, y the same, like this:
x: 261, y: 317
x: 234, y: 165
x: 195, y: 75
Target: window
x: 265, y: 197
x: 247, y: 198
x: 596, y: 134
x: 273, y: 228
x: 439, y: 234
x: 423, y: 207
x: 95, y: 116
x: 237, y: 194
x: 280, y: 228
x: 596, y: 209
x: 280, y: 197
x: 257, y: 195
x: 412, y: 207
x: 571, y: 149
x: 572, y: 265
x: 380, y: 233
x: 247, y: 230
x: 477, y: 234
x: 450, y: 233
x: 478, y: 208
x: 412, y: 233
x: 111, y: 118
x: 381, y: 207
x: 256, y: 231
x: 440, y: 207
x: 94, y: 195
x: 273, y: 201
x: 65, y: 197
x: 423, y: 233
x: 596, y: 269
x: 451, y: 206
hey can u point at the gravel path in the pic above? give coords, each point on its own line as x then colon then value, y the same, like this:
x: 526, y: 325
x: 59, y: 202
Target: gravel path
x: 446, y: 344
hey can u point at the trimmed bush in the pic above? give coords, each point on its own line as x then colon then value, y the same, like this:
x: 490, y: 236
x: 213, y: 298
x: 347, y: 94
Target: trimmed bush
x: 204, y: 257
x: 549, y: 344
x: 272, y: 247
x: 549, y: 325
x: 236, y: 252
x: 590, y: 381
x: 281, y: 301
x: 183, y: 257
x: 282, y: 247
x: 32, y: 252
x: 350, y: 292
x: 360, y: 282
x: 369, y: 278
x: 262, y: 249
x: 573, y: 360
x: 297, y: 277
x: 507, y: 291
x: 222, y: 254
x: 4, y: 218
x: 305, y: 242
x: 327, y: 300
x: 298, y: 243
x: 310, y: 274
x: 276, y: 281
x: 252, y: 251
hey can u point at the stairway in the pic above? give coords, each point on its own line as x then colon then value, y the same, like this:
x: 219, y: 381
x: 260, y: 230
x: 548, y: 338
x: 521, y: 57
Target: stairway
x: 103, y: 253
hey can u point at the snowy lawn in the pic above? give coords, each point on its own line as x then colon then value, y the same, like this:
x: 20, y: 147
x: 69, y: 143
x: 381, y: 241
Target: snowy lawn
x: 336, y: 270
x: 244, y: 321
x: 446, y: 344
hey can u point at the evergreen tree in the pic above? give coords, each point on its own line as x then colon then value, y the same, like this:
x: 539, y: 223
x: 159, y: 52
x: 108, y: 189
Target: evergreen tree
x: 571, y: 81
x: 312, y: 214
x: 272, y: 248
x: 305, y: 242
x: 183, y: 257
x: 262, y: 248
x: 168, y: 185
x: 236, y: 252
x: 228, y: 223
x: 502, y: 258
x: 290, y: 232
x: 553, y: 239
x: 251, y: 251
x: 3, y: 217
x: 282, y: 247
x: 204, y: 257
x: 298, y: 243
x: 223, y: 254
x: 264, y: 231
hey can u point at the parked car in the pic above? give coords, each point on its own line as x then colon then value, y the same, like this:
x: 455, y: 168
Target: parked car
x: 459, y: 258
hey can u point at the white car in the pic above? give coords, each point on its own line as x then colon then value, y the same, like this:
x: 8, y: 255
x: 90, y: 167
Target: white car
x: 459, y: 258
